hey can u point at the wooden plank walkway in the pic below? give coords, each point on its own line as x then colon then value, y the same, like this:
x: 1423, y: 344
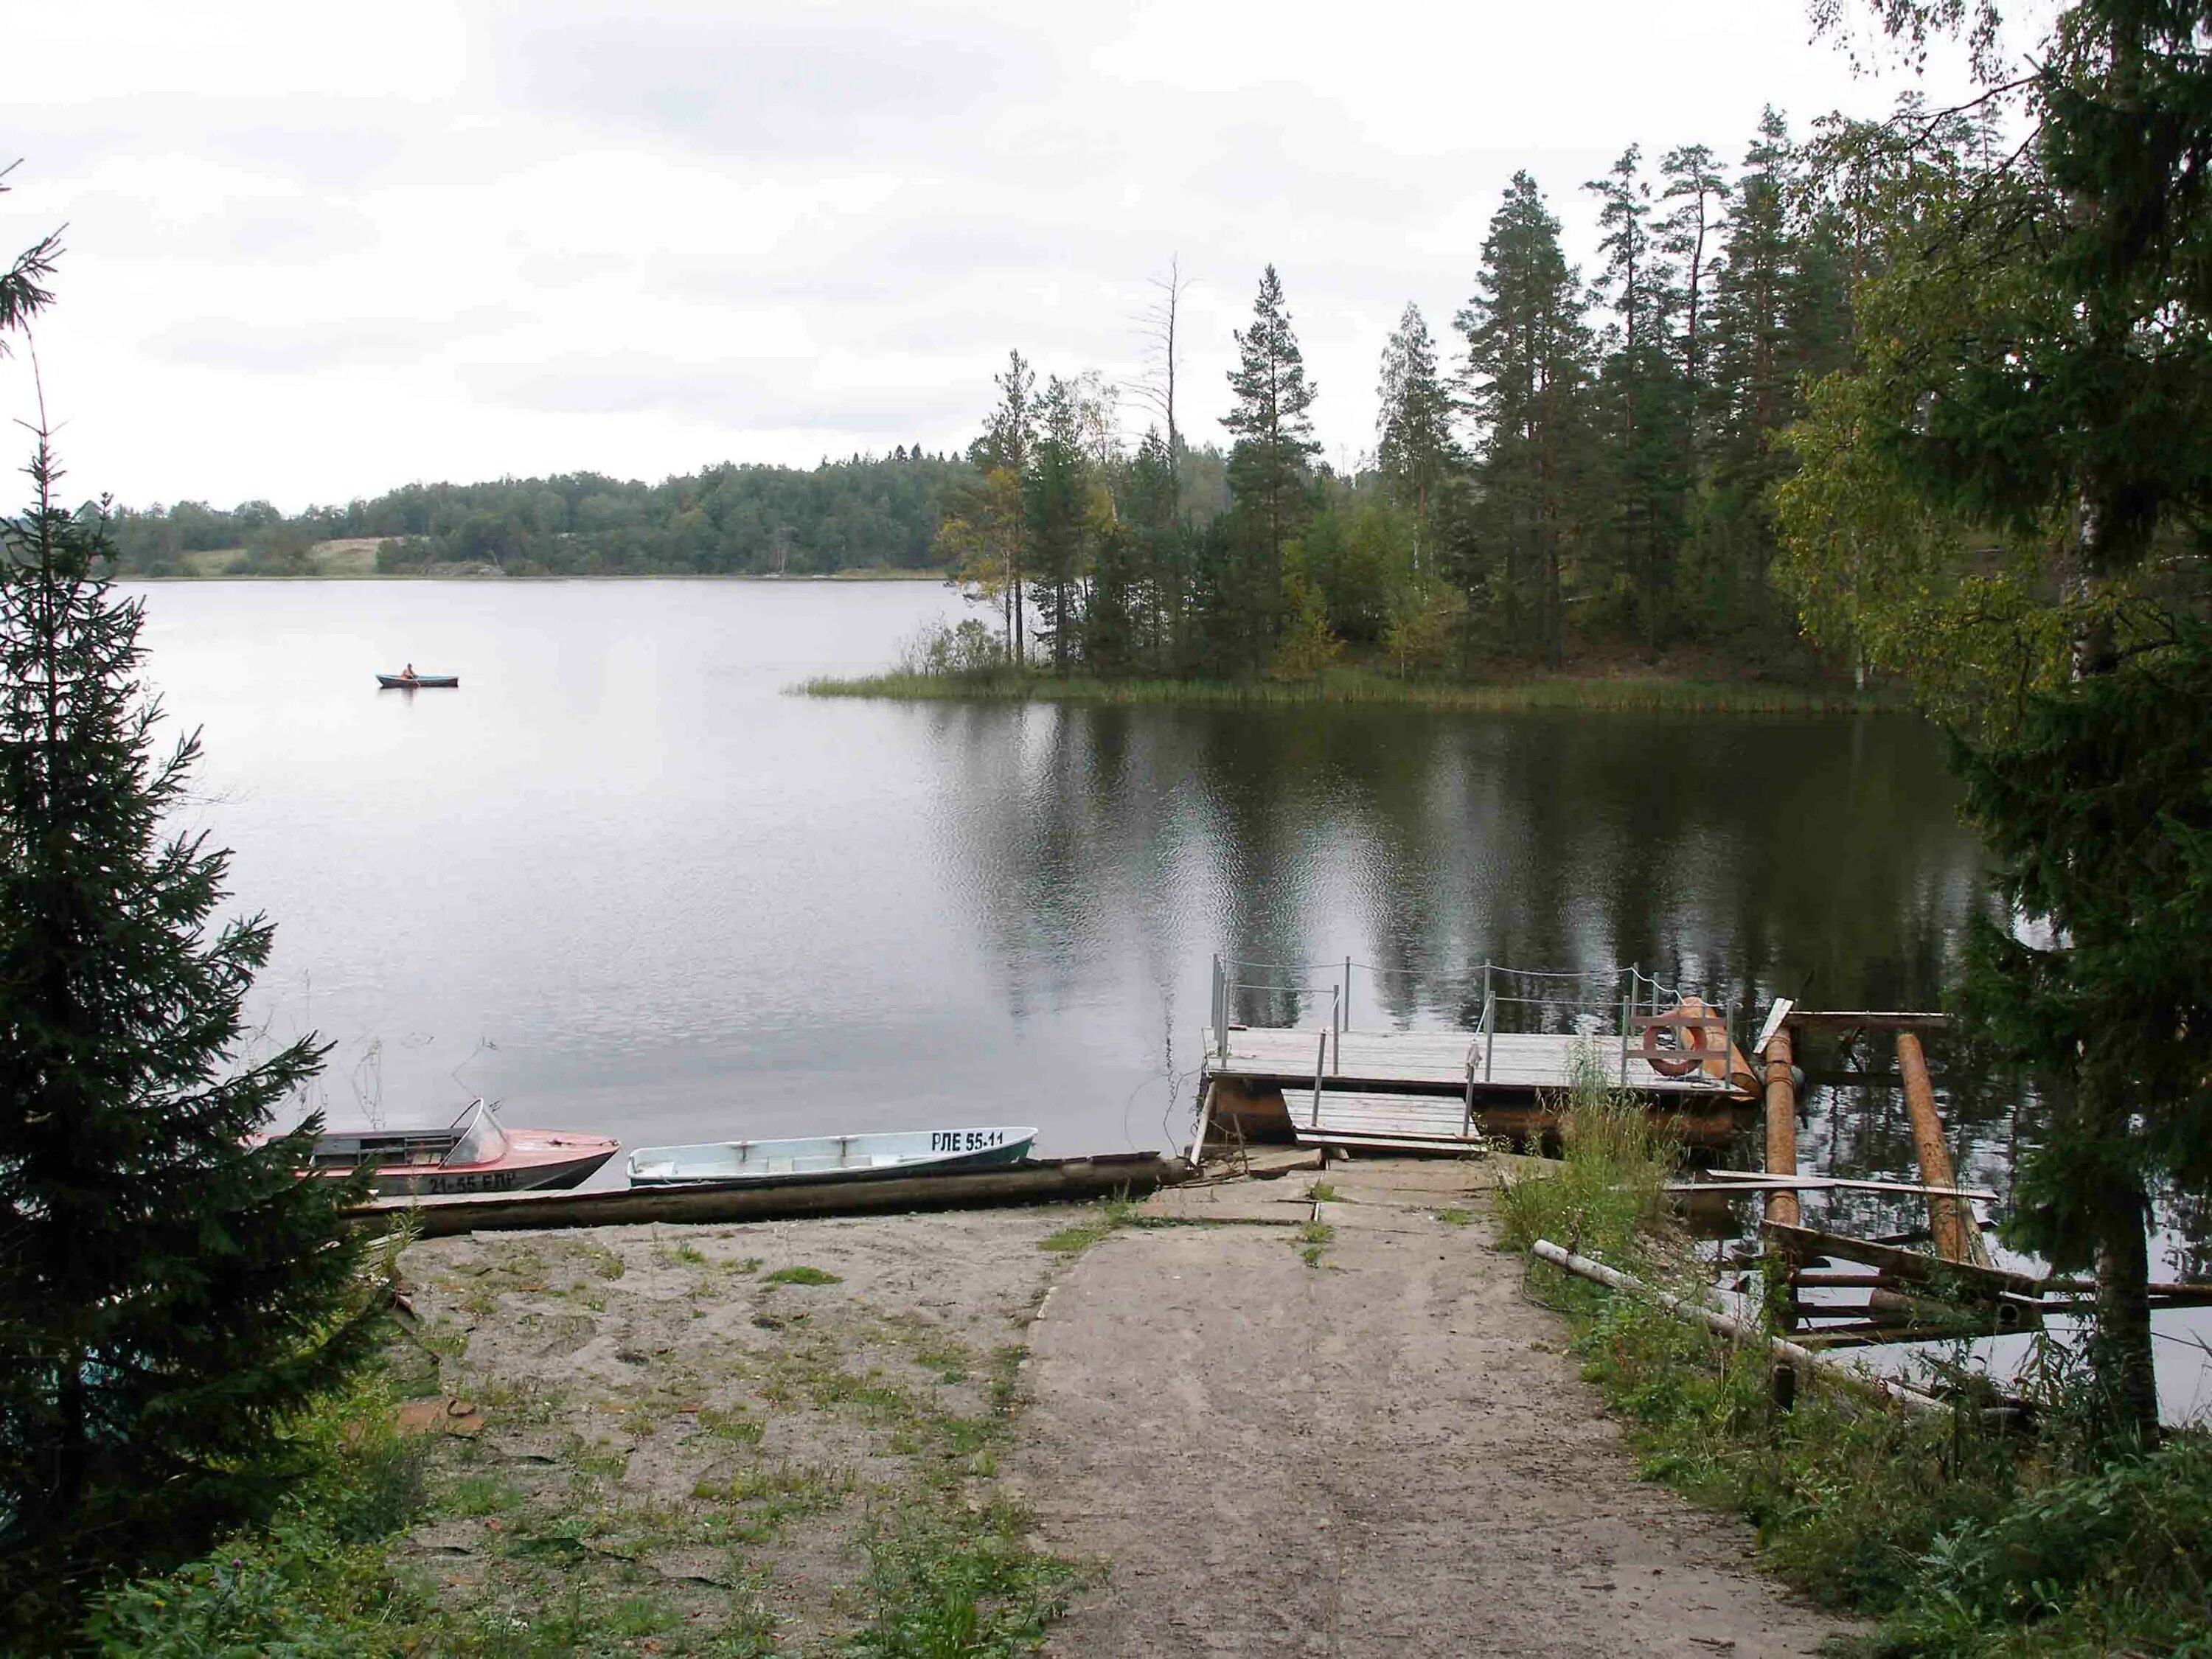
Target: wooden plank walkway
x: 1436, y: 1061
x: 1342, y: 1116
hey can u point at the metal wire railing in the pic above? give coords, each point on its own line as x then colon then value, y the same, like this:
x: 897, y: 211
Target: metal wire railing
x: 1521, y: 998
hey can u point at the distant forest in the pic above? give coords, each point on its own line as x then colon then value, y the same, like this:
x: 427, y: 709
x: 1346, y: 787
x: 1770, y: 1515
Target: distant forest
x: 866, y: 512
x: 1585, y: 467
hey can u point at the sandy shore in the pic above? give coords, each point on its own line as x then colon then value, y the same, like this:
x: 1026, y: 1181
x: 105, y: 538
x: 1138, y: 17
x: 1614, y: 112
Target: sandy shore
x: 1231, y: 1433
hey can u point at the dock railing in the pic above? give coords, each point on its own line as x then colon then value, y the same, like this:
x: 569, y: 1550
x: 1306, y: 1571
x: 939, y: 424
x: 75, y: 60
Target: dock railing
x: 1509, y: 999
x: 1227, y: 983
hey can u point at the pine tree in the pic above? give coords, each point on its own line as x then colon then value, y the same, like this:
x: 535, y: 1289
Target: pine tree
x: 1009, y: 437
x: 1414, y: 449
x: 171, y: 1288
x: 1527, y: 363
x: 1269, y: 466
x: 1691, y: 235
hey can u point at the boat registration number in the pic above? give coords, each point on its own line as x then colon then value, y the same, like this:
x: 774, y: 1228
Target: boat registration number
x: 965, y: 1140
x: 494, y: 1180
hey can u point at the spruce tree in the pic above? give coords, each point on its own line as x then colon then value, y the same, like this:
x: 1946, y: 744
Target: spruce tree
x: 2098, y: 808
x: 1158, y: 545
x: 1640, y: 396
x: 1528, y: 351
x: 171, y: 1288
x: 1413, y: 447
x: 1056, y: 499
x: 2028, y: 421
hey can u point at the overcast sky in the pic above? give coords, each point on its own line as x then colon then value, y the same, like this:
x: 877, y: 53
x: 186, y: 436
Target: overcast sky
x: 315, y: 252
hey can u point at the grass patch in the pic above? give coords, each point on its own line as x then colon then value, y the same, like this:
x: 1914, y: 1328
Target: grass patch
x: 605, y: 1263
x: 1313, y: 1238
x: 1966, y: 1542
x: 802, y: 1275
x: 1531, y: 693
x: 1455, y: 1218
x: 1109, y: 1216
x: 732, y: 1425
x: 1324, y: 1192
x: 960, y: 1584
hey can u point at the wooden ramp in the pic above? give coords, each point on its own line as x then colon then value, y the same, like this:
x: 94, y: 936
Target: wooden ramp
x: 1344, y: 1117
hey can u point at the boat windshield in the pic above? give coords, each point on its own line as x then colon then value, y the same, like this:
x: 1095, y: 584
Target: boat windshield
x: 480, y: 1141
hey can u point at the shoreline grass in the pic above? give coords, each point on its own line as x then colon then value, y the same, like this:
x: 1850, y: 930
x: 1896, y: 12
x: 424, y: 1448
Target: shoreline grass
x: 1648, y: 694
x: 1962, y: 1540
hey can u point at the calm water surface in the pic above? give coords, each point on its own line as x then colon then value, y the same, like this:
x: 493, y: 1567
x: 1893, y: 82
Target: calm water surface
x: 623, y: 880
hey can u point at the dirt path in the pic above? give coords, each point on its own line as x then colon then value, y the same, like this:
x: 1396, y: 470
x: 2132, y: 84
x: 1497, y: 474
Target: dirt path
x: 1384, y: 1454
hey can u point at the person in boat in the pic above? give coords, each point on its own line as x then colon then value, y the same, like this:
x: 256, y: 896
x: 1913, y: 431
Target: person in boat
x: 408, y: 673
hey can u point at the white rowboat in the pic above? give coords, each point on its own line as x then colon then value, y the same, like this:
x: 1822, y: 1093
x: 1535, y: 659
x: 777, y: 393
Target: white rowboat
x: 913, y: 1152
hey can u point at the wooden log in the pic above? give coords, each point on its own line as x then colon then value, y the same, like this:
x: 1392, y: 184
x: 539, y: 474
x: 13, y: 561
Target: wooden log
x: 1726, y: 1325
x: 1951, y: 1224
x: 1781, y: 1127
x: 1865, y: 1019
x: 2083, y: 1292
x: 1196, y: 1156
x: 1930, y: 1316
x: 1722, y: 1181
x: 1799, y: 1245
x: 1039, y: 1181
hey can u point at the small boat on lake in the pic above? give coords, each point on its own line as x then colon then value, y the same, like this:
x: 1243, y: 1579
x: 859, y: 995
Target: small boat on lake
x: 419, y: 683
x: 820, y: 1158
x: 476, y: 1153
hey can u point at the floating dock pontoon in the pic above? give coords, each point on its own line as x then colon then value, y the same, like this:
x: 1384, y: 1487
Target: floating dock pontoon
x: 1442, y: 1090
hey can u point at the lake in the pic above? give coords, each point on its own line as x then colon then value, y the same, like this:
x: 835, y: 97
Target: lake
x: 623, y: 881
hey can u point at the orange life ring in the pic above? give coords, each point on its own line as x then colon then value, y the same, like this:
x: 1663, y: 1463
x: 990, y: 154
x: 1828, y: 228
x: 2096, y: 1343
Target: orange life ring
x: 1687, y: 1058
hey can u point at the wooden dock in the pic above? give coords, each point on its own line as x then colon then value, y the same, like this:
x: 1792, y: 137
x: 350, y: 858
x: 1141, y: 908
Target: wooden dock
x: 1331, y: 1083
x: 1508, y: 1063
x: 1440, y: 1090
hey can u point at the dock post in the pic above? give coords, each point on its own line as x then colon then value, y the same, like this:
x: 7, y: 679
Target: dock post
x: 1781, y: 1127
x: 1321, y: 1066
x: 1489, y: 1022
x: 1347, y: 998
x: 1336, y: 1019
x: 1782, y: 1207
x: 1950, y: 1220
x: 1627, y: 1013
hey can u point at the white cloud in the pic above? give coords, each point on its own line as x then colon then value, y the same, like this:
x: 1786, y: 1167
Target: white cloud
x: 315, y: 252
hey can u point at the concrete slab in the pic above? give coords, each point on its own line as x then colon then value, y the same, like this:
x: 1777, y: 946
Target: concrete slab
x: 1386, y: 1454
